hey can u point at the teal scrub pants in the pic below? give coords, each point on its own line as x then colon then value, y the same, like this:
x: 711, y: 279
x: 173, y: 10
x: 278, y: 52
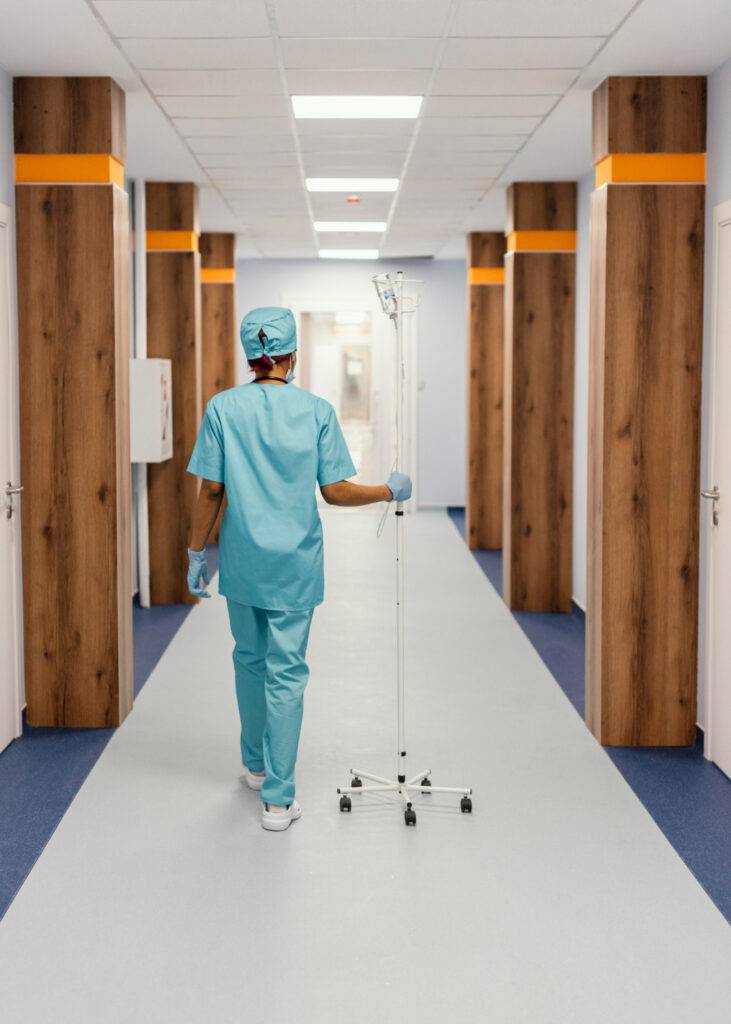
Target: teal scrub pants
x: 271, y: 675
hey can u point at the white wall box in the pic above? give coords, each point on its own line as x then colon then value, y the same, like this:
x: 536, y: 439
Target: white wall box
x: 151, y: 410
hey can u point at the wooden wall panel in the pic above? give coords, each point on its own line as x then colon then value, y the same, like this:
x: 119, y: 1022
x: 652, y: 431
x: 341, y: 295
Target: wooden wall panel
x: 171, y: 206
x: 220, y: 341
x: 537, y: 483
x: 541, y: 206
x: 69, y: 115
x: 485, y: 417
x: 217, y: 249
x: 645, y: 401
x: 72, y: 247
x: 649, y: 114
x: 219, y: 338
x: 174, y: 332
x: 485, y: 249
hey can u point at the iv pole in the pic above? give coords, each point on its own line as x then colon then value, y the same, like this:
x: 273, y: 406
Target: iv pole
x: 391, y: 293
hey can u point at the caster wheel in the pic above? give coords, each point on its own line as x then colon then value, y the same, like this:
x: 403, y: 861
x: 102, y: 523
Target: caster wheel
x: 465, y: 805
x: 356, y: 781
x: 410, y: 815
x: 426, y: 782
x: 345, y: 803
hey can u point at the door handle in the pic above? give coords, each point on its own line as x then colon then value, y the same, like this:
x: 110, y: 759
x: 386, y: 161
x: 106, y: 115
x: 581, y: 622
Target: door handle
x: 715, y: 497
x: 9, y: 492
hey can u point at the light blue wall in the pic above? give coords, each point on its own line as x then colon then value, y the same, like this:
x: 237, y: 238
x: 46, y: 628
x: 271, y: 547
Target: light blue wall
x: 718, y: 190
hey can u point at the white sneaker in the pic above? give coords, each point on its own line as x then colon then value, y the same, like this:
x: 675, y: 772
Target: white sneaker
x: 252, y: 779
x: 278, y: 821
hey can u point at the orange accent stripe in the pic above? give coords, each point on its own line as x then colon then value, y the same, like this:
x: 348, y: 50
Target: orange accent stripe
x: 172, y: 241
x: 646, y: 168
x: 68, y: 168
x: 541, y: 241
x: 486, y: 275
x: 218, y: 275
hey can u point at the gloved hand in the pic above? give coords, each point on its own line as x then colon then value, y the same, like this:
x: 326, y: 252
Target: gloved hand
x: 399, y: 485
x: 197, y: 571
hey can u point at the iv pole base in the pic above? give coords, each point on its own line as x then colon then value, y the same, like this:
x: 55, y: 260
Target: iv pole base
x: 419, y: 783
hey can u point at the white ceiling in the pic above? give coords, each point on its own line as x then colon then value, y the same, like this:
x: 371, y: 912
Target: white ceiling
x: 507, y: 86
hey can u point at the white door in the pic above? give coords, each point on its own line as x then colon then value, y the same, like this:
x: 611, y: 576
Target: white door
x: 10, y: 657
x: 718, y: 509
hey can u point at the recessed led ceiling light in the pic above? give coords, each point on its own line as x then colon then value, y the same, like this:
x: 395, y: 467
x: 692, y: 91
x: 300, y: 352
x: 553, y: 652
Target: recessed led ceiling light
x: 375, y: 226
x: 348, y: 254
x: 351, y: 184
x: 356, y: 106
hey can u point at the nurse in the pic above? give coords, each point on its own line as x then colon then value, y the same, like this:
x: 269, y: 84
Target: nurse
x: 265, y: 446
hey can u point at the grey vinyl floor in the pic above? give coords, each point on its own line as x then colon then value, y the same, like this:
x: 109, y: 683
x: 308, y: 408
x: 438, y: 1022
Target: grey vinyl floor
x: 160, y: 899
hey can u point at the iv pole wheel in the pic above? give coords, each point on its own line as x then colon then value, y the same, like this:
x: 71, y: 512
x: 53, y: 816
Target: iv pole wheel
x: 345, y: 803
x: 465, y: 805
x: 356, y: 781
x: 425, y: 782
x: 410, y: 815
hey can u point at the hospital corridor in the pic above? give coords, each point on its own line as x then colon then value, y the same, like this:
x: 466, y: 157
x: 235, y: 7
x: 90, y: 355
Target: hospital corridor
x: 364, y: 531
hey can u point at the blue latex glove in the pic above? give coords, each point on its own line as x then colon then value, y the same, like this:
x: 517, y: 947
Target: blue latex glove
x: 399, y: 485
x: 197, y: 571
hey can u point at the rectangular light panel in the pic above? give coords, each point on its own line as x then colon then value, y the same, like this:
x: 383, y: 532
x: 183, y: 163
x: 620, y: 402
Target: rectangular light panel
x: 356, y: 106
x: 351, y: 184
x: 348, y: 254
x: 375, y: 226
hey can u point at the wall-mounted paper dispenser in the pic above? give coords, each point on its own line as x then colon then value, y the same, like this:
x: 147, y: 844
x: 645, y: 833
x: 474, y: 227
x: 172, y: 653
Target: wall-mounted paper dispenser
x: 151, y: 410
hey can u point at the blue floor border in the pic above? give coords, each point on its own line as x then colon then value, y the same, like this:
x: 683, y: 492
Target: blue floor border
x: 42, y: 771
x: 688, y: 797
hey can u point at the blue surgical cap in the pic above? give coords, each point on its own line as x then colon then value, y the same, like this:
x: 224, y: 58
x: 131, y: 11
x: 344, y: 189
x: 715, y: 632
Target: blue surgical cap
x: 269, y: 331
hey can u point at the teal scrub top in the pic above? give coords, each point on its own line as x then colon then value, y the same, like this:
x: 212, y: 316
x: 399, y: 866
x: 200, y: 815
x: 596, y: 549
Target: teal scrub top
x: 270, y: 444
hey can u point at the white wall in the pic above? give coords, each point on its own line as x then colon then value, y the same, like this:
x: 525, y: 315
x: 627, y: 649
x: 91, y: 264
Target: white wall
x: 581, y: 387
x: 442, y: 344
x: 718, y: 190
x: 7, y: 163
x: 7, y: 197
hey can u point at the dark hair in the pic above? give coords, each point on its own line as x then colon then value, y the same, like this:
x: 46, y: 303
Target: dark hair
x: 267, y: 362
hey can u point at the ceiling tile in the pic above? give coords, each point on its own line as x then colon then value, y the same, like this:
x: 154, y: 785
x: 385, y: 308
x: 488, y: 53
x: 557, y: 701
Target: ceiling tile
x: 488, y: 106
x: 224, y: 106
x: 452, y: 174
x: 224, y: 165
x: 231, y: 145
x: 373, y: 206
x: 317, y: 168
x: 213, y: 82
x: 358, y: 128
x: 479, y: 125
x: 470, y: 163
x: 447, y: 184
x: 265, y: 178
x: 241, y: 126
x: 472, y: 143
x: 201, y: 54
x: 203, y: 18
x: 358, y: 82
x: 354, y: 18
x: 520, y: 53
x: 352, y: 144
x: 538, y: 17
x: 497, y: 83
x: 347, y: 240
x: 359, y: 53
